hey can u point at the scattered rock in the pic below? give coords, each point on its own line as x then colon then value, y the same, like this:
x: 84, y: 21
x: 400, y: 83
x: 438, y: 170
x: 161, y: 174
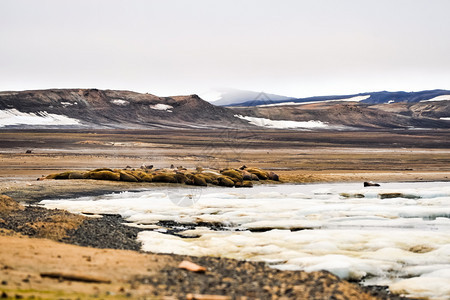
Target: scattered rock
x: 389, y: 195
x: 370, y: 183
x: 29, y: 151
x: 349, y: 195
x: 190, y: 266
x: 206, y: 297
x: 75, y: 277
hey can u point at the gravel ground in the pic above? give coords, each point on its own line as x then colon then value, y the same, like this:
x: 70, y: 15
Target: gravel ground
x: 107, y: 232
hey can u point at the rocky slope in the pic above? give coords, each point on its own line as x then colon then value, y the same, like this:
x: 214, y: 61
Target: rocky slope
x: 359, y: 115
x: 92, y: 108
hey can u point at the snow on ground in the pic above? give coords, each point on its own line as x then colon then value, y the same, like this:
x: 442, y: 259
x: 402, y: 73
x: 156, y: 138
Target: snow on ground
x: 438, y: 98
x: 65, y: 104
x: 285, y: 124
x: 445, y: 118
x: 354, y: 232
x: 161, y: 106
x: 10, y: 117
x: 352, y: 99
x: 120, y: 102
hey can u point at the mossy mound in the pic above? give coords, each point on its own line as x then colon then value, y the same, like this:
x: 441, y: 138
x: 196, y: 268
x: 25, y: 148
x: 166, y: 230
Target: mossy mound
x: 102, y: 169
x: 103, y: 175
x: 180, y: 177
x: 262, y: 175
x: 209, y: 177
x: 234, y: 174
x: 273, y: 176
x: 197, y: 180
x: 165, y: 177
x: 225, y: 181
x: 199, y: 177
x: 246, y: 175
x: 67, y: 175
x: 128, y: 177
x: 243, y: 184
x: 143, y: 176
x: 63, y: 175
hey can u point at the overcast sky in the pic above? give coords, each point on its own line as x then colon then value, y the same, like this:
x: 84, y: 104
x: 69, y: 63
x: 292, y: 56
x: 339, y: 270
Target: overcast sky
x: 169, y: 47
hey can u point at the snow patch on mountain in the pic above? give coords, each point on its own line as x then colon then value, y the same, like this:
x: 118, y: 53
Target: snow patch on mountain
x: 284, y: 124
x: 352, y: 99
x: 161, y: 106
x: 438, y: 98
x: 11, y: 117
x: 120, y: 102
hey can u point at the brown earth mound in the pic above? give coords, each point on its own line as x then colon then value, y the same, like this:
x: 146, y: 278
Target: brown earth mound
x: 241, y: 177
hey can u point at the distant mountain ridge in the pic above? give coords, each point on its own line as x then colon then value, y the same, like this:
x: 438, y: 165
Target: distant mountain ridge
x: 252, y: 99
x: 230, y: 97
x: 104, y: 109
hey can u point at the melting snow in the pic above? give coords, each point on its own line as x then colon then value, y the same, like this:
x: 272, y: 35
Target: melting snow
x: 403, y: 242
x: 10, y: 117
x: 161, y: 106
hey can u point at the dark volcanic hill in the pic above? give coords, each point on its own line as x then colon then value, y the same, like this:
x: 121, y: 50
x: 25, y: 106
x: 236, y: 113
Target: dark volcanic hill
x: 95, y: 108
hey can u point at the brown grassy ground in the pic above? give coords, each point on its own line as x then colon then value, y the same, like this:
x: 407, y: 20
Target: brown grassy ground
x: 297, y: 156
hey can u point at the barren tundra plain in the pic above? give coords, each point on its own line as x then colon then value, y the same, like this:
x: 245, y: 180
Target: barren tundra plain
x: 31, y: 253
